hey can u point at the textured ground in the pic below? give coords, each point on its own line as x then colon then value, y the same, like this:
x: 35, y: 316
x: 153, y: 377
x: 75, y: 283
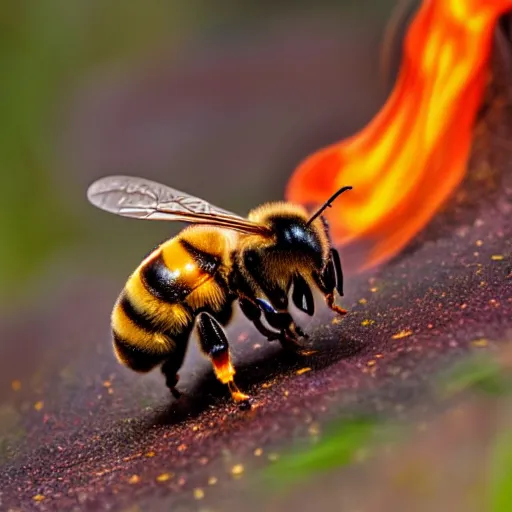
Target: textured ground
x: 97, y: 436
x: 78, y: 431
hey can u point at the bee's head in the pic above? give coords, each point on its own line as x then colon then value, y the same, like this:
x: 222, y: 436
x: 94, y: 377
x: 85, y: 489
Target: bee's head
x: 295, y: 239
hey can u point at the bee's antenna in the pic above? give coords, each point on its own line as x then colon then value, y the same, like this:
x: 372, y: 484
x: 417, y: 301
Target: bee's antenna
x: 327, y: 204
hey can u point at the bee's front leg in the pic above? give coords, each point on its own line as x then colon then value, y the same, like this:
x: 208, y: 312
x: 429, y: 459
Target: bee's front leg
x: 289, y: 331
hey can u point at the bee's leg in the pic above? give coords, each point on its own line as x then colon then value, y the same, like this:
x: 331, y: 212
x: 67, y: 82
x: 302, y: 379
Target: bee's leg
x: 253, y: 313
x: 335, y: 258
x: 215, y: 345
x: 330, y: 280
x: 173, y: 364
x: 302, y: 296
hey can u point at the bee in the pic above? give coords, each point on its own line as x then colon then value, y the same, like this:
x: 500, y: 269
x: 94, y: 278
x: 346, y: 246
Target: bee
x: 192, y: 281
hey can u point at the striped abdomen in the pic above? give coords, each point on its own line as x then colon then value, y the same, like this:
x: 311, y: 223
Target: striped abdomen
x: 156, y: 308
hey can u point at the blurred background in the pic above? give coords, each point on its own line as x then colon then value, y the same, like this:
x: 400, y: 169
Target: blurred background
x: 220, y: 99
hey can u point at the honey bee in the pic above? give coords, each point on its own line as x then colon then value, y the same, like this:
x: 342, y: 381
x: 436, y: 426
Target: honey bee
x: 193, y: 279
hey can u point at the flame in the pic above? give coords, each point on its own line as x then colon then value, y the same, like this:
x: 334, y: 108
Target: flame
x: 408, y: 160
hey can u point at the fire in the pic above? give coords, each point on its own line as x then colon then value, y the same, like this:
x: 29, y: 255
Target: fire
x: 408, y: 160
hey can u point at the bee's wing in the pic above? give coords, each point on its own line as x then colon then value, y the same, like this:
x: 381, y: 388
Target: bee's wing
x: 144, y: 199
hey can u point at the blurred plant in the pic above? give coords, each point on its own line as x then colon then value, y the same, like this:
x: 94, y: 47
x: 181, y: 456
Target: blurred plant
x: 339, y: 446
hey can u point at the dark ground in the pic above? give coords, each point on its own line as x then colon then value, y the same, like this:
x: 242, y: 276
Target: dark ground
x: 80, y: 432
x: 96, y: 437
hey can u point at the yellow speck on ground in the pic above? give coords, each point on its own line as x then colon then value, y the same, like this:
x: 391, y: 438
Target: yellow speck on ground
x: 379, y: 356
x: 482, y: 342
x: 286, y: 392
x: 497, y: 257
x: 39, y: 405
x: 372, y: 362
x: 134, y: 479
x: 107, y: 383
x: 308, y: 352
x: 302, y: 370
x: 258, y: 452
x: 182, y: 447
x: 272, y: 457
x: 402, y: 334
x: 16, y: 385
x: 363, y: 301
x: 374, y: 289
x: 38, y: 497
x: 267, y: 385
x: 150, y: 454
x: 336, y: 320
x: 314, y: 429
x: 367, y: 322
x: 198, y: 494
x: 237, y: 470
x: 164, y: 477
x: 212, y: 480
x: 479, y: 243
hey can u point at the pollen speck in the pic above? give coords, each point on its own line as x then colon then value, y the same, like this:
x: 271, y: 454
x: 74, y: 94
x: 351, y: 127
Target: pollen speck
x: 134, y: 479
x: 258, y: 452
x: 497, y: 257
x: 198, y: 494
x: 164, y: 477
x: 39, y: 405
x: 302, y: 370
x: 212, y: 480
x: 16, y: 385
x: 482, y: 342
x: 237, y: 470
x: 402, y: 334
x: 38, y: 497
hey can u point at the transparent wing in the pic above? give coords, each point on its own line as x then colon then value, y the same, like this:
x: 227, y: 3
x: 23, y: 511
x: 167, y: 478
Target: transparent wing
x: 144, y: 199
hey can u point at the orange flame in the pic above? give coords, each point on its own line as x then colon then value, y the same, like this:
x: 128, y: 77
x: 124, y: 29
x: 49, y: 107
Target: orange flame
x: 413, y: 154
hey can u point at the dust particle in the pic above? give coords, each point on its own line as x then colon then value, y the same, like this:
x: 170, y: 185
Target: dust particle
x: 362, y: 301
x: 479, y: 243
x: 336, y: 321
x: 237, y: 470
x: 212, y: 480
x: 371, y: 362
x: 134, y: 479
x: 38, y: 497
x: 150, y: 454
x: 38, y: 406
x: 497, y: 257
x: 256, y: 346
x: 198, y: 494
x: 258, y: 452
x: 107, y: 383
x: 401, y: 334
x: 302, y: 370
x: 482, y: 342
x: 374, y: 289
x: 16, y: 385
x: 367, y: 322
x: 314, y: 429
x: 164, y: 477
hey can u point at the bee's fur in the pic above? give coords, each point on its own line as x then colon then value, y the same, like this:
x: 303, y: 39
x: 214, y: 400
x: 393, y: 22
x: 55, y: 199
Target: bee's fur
x: 195, y: 277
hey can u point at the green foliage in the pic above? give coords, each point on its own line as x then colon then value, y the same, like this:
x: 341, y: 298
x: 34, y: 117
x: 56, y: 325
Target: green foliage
x: 339, y: 446
x: 500, y: 482
x: 482, y: 374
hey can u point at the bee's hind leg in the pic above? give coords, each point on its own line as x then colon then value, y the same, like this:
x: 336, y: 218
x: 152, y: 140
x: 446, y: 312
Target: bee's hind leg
x: 171, y: 366
x: 215, y: 345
